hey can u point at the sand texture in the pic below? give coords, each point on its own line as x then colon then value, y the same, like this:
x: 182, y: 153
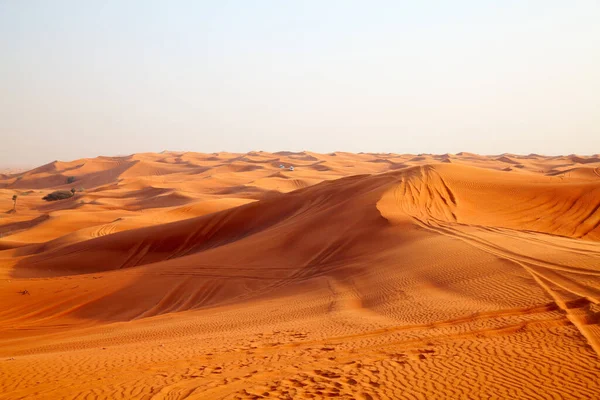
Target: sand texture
x: 354, y: 276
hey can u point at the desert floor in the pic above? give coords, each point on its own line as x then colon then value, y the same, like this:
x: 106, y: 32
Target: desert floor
x: 373, y: 276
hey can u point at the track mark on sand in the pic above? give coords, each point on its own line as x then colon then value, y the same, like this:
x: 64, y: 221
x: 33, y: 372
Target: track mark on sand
x: 588, y: 333
x: 576, y: 318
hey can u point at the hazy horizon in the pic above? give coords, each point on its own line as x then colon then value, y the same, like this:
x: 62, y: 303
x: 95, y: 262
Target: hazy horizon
x: 23, y: 167
x: 88, y: 79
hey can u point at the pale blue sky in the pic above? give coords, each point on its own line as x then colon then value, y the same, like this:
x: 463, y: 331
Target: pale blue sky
x: 86, y: 78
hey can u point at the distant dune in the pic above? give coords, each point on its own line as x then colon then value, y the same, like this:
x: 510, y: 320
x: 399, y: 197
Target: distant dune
x: 184, y: 275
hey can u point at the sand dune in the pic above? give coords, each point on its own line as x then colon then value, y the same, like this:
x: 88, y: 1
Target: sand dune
x: 223, y: 276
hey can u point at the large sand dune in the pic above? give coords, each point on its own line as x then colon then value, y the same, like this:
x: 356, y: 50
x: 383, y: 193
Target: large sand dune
x: 224, y: 276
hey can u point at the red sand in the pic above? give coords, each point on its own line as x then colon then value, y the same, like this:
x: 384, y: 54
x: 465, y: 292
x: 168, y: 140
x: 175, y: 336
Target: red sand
x: 201, y: 276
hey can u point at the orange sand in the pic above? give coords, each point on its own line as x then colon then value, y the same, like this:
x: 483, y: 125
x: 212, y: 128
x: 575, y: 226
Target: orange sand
x: 222, y: 276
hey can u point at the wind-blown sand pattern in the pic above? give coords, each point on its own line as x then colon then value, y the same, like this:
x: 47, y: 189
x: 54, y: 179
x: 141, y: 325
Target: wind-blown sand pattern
x: 369, y: 276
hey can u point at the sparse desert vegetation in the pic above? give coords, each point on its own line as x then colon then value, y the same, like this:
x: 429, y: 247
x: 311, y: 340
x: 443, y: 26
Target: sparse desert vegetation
x: 59, y: 195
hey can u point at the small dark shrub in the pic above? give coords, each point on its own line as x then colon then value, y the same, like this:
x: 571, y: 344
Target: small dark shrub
x: 58, y: 195
x: 71, y: 179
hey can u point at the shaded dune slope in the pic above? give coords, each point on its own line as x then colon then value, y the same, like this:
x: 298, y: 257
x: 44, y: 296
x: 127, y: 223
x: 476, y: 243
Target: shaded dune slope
x: 294, y: 212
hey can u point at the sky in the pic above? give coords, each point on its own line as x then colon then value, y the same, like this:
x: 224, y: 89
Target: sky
x: 82, y: 79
